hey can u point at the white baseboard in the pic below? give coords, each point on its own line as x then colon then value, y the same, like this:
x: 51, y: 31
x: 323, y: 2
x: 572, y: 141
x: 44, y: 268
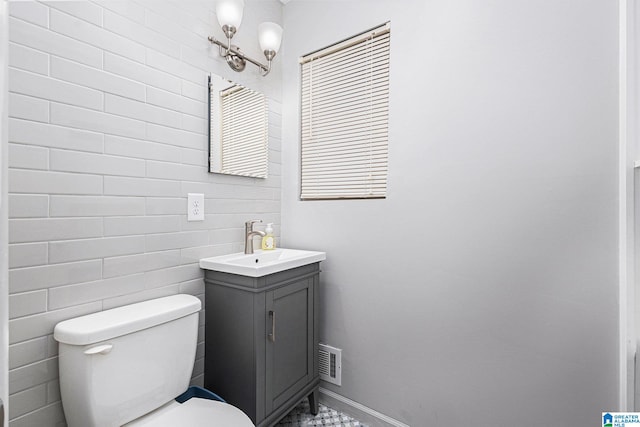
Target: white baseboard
x: 360, y: 412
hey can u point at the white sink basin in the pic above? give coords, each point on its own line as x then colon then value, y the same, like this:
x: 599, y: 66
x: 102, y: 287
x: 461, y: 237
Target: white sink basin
x: 261, y: 262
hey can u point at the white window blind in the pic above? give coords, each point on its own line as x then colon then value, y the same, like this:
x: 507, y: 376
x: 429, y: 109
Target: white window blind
x: 344, y: 118
x: 244, y: 128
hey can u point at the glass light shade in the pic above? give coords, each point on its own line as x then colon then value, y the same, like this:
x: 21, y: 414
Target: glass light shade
x: 269, y: 36
x: 229, y: 12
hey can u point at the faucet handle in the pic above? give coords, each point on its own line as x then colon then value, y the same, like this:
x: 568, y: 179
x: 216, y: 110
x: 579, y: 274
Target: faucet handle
x: 249, y: 224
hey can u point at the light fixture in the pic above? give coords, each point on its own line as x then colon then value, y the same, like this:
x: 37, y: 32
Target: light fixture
x: 229, y: 13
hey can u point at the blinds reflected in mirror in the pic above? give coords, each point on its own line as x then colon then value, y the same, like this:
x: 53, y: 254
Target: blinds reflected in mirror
x: 239, y: 127
x: 344, y: 118
x: 244, y: 132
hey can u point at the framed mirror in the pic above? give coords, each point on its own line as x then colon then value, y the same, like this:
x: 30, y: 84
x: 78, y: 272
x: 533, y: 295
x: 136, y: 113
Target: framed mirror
x: 238, y: 129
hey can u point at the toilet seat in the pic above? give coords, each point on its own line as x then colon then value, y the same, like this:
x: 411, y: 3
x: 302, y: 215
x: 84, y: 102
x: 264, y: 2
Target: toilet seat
x: 194, y: 412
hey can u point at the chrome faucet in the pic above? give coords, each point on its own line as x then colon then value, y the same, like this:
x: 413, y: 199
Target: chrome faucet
x: 249, y: 234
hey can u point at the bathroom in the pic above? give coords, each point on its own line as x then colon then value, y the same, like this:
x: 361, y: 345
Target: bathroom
x: 491, y: 286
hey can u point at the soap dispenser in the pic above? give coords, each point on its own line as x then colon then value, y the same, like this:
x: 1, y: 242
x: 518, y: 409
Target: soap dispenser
x: 268, y: 241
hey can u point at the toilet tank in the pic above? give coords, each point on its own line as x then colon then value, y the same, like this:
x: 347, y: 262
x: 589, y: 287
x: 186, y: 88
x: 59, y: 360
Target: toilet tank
x: 117, y: 365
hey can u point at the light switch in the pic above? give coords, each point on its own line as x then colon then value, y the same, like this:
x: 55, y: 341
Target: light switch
x: 195, y: 207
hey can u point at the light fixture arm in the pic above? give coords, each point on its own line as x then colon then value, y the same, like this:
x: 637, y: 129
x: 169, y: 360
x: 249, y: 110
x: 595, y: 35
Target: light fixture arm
x: 236, y: 59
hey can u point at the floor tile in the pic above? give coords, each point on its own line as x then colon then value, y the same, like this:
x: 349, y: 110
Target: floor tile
x: 301, y: 416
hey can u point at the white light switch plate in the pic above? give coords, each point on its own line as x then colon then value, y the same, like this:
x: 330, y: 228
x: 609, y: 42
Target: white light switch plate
x: 195, y: 207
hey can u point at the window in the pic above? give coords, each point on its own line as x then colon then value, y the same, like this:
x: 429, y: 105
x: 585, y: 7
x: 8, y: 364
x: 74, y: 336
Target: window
x: 344, y: 118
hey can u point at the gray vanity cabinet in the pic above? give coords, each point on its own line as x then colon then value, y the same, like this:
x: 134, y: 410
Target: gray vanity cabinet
x: 261, y: 340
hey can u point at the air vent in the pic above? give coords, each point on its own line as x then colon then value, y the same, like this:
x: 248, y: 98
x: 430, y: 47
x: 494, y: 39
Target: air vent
x: 330, y: 364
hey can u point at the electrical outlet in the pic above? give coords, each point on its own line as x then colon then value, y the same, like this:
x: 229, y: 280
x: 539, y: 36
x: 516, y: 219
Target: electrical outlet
x: 195, y: 207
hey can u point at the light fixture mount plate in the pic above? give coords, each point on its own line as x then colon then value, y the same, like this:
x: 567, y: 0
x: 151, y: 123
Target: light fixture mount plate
x: 237, y: 63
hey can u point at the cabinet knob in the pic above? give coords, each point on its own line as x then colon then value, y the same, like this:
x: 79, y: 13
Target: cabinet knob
x: 272, y: 335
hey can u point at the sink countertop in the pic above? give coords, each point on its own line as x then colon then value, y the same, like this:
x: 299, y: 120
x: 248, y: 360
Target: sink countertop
x: 262, y: 262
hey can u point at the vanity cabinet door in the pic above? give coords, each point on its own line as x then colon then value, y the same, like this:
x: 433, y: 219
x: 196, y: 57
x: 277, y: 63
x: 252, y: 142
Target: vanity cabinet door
x: 290, y: 338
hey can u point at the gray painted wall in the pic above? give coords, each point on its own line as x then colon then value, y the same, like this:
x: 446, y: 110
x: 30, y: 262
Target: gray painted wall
x: 107, y: 136
x: 4, y: 257
x: 483, y: 290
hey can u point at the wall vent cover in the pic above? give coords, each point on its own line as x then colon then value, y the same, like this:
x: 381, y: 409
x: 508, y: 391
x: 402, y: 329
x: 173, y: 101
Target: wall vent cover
x: 330, y: 364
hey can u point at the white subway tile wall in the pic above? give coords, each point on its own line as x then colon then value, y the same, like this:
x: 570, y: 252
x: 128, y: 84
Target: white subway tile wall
x: 108, y: 134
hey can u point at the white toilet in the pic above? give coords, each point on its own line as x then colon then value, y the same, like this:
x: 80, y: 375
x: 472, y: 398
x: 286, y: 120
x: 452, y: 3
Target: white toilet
x: 126, y: 366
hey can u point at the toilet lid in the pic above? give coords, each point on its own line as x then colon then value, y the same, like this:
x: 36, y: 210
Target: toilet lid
x: 194, y: 412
